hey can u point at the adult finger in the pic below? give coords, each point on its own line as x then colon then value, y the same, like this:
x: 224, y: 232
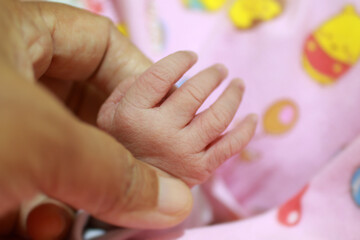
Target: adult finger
x: 71, y: 44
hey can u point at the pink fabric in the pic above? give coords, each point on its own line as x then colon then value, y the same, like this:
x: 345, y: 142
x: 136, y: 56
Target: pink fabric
x: 307, y: 131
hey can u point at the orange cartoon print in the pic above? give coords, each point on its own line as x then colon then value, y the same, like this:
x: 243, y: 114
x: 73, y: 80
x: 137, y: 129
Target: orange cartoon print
x: 334, y: 47
x: 246, y: 13
x: 280, y: 117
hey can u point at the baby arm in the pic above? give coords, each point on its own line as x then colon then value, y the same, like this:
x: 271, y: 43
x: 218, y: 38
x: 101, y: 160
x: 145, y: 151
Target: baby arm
x: 166, y: 131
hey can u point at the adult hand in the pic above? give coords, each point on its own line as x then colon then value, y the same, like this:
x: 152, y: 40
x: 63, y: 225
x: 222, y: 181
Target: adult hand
x: 54, y: 58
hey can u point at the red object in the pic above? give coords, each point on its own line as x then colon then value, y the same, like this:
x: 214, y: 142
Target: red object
x: 321, y: 61
x: 291, y: 212
x: 48, y: 221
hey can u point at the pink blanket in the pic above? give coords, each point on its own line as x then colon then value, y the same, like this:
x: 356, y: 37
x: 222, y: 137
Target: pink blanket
x: 300, y: 176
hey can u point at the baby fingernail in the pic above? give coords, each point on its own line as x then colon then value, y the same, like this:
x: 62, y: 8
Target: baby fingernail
x: 193, y: 54
x: 254, y: 117
x: 174, y: 196
x: 221, y: 68
x: 239, y: 82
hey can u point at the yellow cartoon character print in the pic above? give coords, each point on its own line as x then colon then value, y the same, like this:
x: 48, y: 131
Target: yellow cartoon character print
x: 334, y: 47
x: 207, y: 5
x: 246, y: 13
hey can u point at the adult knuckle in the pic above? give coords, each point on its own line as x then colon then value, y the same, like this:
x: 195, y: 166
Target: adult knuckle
x: 121, y: 201
x: 139, y: 190
x: 128, y: 189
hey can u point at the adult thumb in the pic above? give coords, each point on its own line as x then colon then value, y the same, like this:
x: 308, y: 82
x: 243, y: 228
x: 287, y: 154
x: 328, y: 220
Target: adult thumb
x: 103, y: 178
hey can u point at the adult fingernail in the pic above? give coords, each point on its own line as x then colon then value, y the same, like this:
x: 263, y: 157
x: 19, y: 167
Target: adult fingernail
x: 174, y: 196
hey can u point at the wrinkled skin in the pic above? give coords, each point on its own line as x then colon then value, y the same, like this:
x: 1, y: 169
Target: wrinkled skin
x: 164, y: 130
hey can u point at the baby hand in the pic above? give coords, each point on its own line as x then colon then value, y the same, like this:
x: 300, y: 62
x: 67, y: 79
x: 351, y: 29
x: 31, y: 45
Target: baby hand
x: 165, y: 131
